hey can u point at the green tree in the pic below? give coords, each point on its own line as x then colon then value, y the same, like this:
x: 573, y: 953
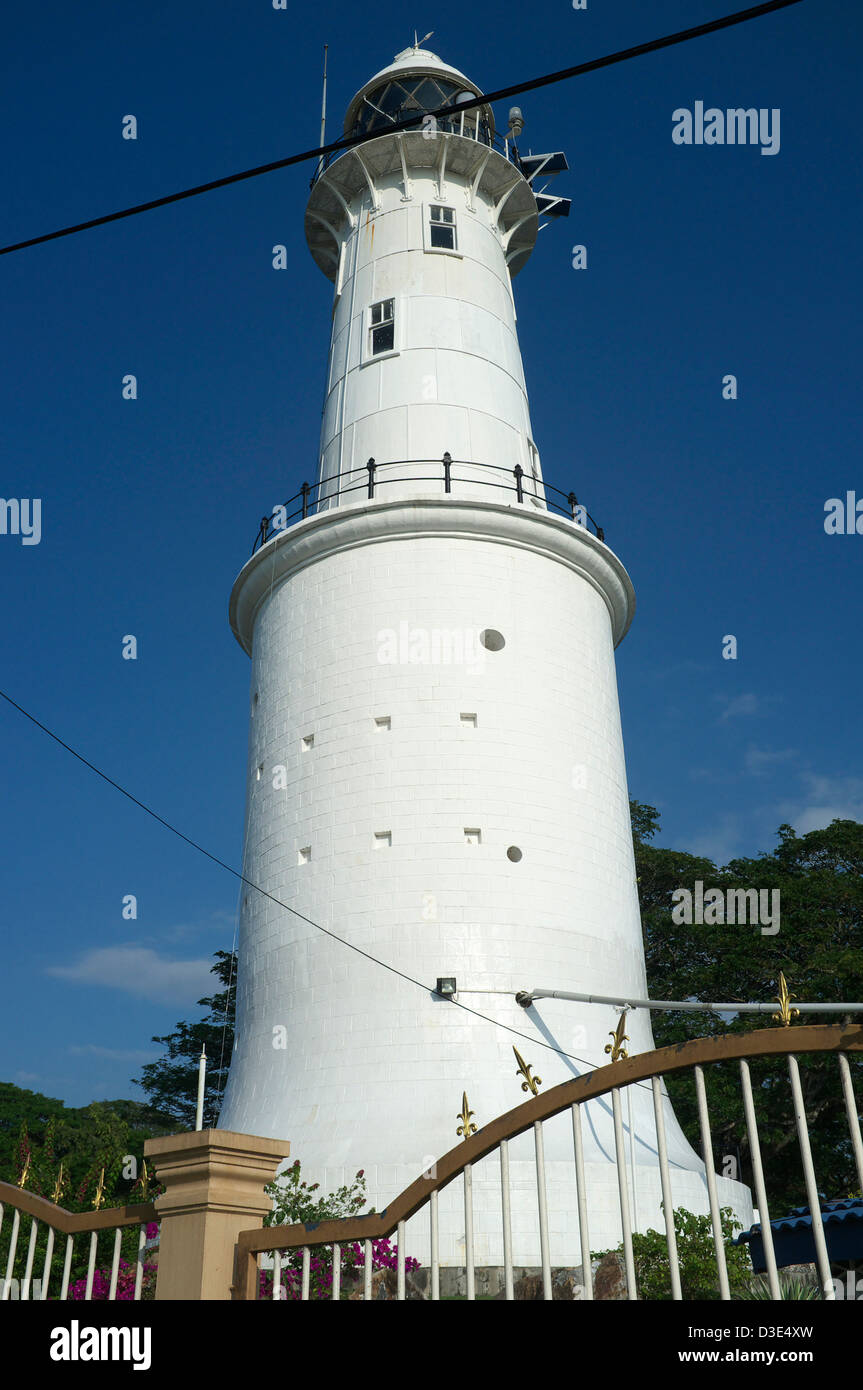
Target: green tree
x: 696, y: 1254
x: 171, y: 1083
x: 819, y: 948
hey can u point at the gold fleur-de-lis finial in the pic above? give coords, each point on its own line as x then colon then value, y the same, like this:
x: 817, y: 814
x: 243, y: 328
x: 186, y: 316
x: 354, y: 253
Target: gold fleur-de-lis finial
x: 618, y: 1038
x: 58, y: 1187
x: 530, y: 1083
x: 783, y: 999
x: 24, y: 1171
x: 100, y: 1191
x: 145, y: 1182
x: 465, y: 1129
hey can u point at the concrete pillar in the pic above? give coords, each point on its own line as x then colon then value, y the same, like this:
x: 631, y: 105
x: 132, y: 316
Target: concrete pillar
x: 214, y: 1182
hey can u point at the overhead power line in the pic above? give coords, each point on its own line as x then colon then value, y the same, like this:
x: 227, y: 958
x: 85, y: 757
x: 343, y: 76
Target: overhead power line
x: 393, y: 970
x: 579, y: 69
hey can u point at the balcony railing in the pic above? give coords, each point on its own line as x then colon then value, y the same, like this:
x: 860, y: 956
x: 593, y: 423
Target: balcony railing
x: 316, y: 497
x: 457, y: 124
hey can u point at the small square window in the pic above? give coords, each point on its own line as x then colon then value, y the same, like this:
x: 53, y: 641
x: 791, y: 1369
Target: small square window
x: 442, y: 228
x: 382, y: 327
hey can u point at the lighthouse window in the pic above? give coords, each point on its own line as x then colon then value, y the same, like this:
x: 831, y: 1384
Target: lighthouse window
x: 442, y: 229
x: 382, y: 327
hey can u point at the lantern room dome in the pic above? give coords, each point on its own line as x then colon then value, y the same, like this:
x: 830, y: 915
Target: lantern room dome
x: 416, y: 80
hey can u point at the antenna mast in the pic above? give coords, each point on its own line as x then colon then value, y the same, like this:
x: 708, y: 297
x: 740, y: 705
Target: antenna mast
x: 320, y: 168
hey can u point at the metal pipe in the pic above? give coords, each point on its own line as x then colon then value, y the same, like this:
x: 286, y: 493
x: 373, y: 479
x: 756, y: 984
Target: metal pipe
x: 304, y: 1286
x: 526, y: 998
x: 91, y: 1266
x: 337, y: 1271
x: 435, y: 1248
x: 139, y: 1263
x: 67, y: 1264
x: 46, y: 1268
x: 31, y: 1251
x: 758, y: 1180
x: 715, y: 1217
x: 277, y: 1275
x: 821, y: 1256
x: 623, y: 1189
x: 202, y: 1081
x: 468, y: 1232
x: 509, y: 1292
x: 853, y: 1118
x: 115, y: 1264
x: 367, y: 1270
x: 543, y: 1212
x: 581, y: 1193
x: 400, y: 1267
x: 665, y: 1179
x: 13, y: 1246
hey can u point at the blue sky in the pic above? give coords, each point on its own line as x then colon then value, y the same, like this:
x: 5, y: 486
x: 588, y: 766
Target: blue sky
x: 702, y: 261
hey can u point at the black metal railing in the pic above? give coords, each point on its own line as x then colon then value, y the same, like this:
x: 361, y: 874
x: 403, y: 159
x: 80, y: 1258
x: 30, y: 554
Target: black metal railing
x: 316, y: 497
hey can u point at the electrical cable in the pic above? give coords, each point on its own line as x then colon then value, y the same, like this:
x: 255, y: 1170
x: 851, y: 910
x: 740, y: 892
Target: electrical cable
x: 537, y: 1042
x: 652, y: 46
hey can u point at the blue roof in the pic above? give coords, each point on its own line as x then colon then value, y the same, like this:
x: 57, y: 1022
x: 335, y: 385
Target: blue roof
x: 793, y: 1242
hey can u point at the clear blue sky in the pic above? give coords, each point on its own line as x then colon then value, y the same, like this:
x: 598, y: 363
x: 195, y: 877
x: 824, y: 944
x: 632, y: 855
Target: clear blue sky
x: 702, y: 261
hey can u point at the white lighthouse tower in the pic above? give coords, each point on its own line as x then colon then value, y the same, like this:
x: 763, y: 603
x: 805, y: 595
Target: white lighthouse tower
x: 436, y: 769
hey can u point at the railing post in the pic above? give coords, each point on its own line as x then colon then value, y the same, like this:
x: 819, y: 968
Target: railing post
x: 573, y: 505
x: 600, y: 533
x: 371, y: 468
x: 518, y: 474
x: 304, y: 491
x: 214, y: 1182
x: 447, y: 458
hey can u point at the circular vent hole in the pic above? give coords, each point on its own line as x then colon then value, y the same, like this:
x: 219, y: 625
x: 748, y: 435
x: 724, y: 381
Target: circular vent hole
x: 492, y: 640
x: 513, y: 854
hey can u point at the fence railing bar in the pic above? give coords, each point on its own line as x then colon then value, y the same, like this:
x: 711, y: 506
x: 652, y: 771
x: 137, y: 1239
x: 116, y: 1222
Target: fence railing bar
x: 758, y: 1181
x: 337, y: 1271
x: 581, y: 1195
x: 367, y: 1271
x: 715, y: 1217
x: 91, y: 1266
x: 821, y: 1257
x: 139, y: 1261
x: 331, y: 489
x: 115, y: 1264
x: 506, y: 1216
x: 853, y: 1116
x: 67, y: 1266
x: 31, y: 1252
x: 400, y: 1263
x: 623, y: 1189
x: 468, y: 1232
x: 680, y: 1058
x: 13, y: 1249
x: 435, y: 1247
x: 304, y: 1285
x: 46, y: 1268
x: 542, y: 1200
x: 277, y: 1275
x: 665, y: 1180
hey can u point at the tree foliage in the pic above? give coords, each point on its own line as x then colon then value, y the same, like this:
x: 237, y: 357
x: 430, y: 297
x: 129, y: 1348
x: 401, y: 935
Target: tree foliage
x: 171, y: 1082
x: 819, y: 948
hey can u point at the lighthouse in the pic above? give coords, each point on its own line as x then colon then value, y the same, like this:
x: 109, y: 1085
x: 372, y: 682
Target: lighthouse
x: 436, y: 773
